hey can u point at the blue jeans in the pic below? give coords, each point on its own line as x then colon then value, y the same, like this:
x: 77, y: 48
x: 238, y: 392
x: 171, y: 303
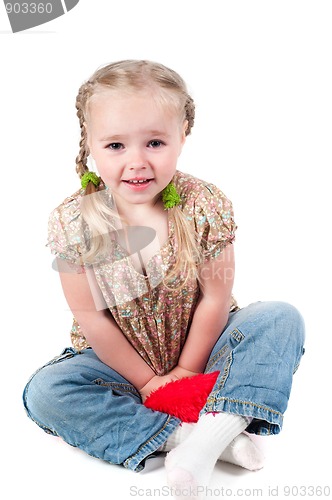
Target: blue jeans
x: 91, y: 406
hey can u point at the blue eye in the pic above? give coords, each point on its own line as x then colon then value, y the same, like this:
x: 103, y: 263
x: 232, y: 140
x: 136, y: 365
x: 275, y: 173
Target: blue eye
x: 115, y: 146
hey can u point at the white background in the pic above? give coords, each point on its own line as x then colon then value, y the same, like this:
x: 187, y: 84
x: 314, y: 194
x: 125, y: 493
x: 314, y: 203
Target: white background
x: 260, y: 73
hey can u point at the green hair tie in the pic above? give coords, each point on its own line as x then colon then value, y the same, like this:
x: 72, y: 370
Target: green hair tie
x: 170, y: 196
x: 90, y: 177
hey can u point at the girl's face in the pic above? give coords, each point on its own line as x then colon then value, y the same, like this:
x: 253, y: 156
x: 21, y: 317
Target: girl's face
x: 135, y: 144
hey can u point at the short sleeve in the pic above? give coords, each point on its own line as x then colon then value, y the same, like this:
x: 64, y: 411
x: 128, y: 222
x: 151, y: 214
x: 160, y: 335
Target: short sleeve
x: 214, y: 221
x: 65, y: 235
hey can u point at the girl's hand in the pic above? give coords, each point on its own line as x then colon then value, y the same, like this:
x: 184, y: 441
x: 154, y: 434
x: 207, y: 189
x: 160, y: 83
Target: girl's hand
x: 159, y: 381
x: 155, y: 383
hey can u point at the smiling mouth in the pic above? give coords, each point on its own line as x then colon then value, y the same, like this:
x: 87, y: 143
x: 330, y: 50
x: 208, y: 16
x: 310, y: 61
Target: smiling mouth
x: 138, y: 181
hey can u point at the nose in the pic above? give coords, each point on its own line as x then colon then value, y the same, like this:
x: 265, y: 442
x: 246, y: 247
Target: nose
x: 137, y: 167
x: 136, y: 159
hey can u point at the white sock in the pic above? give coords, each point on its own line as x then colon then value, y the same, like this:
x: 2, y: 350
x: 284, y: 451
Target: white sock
x: 242, y: 451
x: 178, y: 436
x: 189, y: 466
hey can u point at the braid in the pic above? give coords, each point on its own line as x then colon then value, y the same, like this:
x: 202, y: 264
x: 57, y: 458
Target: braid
x: 81, y: 159
x: 190, y: 113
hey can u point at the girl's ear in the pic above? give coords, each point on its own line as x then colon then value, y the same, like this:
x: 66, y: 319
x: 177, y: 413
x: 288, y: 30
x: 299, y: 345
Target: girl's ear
x: 184, y: 130
x: 183, y: 136
x: 87, y: 136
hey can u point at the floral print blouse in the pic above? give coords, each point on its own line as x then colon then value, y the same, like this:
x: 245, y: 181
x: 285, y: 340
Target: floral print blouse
x: 154, y: 318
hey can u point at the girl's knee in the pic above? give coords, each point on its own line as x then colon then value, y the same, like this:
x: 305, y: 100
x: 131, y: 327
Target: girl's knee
x: 277, y: 323
x: 286, y: 328
x: 281, y: 314
x: 40, y: 394
x: 288, y: 318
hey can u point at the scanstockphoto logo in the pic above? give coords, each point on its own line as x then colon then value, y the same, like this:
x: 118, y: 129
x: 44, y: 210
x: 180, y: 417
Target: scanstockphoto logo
x: 23, y: 15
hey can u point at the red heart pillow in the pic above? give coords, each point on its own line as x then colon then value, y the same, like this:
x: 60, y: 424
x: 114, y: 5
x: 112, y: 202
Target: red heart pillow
x: 183, y: 398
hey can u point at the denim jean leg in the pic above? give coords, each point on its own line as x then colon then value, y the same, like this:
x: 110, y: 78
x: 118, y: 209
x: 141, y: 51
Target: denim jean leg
x: 257, y: 355
x: 92, y: 407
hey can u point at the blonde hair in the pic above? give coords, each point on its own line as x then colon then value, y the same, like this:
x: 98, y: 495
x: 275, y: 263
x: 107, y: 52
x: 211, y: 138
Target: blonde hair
x: 170, y: 89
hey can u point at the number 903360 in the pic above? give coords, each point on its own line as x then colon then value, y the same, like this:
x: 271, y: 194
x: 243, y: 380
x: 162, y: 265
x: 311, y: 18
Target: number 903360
x: 304, y: 491
x: 28, y: 8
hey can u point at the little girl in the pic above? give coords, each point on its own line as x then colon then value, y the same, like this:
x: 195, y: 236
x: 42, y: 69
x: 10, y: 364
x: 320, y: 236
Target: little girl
x: 146, y: 262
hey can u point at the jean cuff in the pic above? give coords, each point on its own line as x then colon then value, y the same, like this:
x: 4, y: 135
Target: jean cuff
x: 265, y: 421
x: 136, y: 462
